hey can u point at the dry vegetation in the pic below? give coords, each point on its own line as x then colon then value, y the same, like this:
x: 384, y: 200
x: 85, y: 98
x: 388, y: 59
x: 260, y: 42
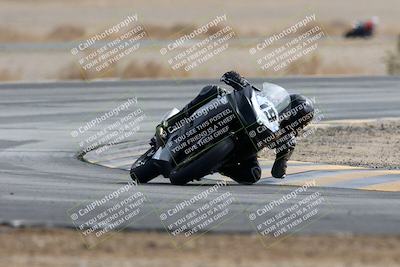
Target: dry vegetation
x: 63, y: 33
x: 146, y: 69
x: 59, y: 33
x: 393, y: 63
x: 11, y: 35
x: 66, y: 33
x: 314, y: 65
x: 74, y: 71
x: 40, y: 247
x: 393, y: 60
x: 169, y: 32
x: 151, y: 69
x: 7, y: 75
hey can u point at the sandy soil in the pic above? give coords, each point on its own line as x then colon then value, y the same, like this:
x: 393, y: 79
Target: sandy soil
x: 58, y: 247
x: 372, y: 144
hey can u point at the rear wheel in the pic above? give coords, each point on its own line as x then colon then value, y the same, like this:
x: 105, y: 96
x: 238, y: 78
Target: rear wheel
x: 144, y: 169
x: 210, y: 161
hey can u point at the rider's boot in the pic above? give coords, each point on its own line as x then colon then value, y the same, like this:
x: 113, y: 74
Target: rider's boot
x: 281, y: 159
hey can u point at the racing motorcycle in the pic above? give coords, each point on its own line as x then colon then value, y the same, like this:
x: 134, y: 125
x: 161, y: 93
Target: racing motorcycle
x: 223, y: 130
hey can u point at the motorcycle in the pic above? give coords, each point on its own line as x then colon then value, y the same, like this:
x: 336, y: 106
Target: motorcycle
x: 225, y: 129
x: 362, y: 29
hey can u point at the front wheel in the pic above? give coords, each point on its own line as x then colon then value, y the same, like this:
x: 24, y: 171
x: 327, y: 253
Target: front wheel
x: 144, y: 169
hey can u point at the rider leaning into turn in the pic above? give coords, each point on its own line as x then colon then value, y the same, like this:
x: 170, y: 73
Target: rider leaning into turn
x: 248, y: 168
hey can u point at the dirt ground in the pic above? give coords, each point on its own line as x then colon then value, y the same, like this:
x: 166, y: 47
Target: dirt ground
x: 374, y: 144
x: 62, y: 247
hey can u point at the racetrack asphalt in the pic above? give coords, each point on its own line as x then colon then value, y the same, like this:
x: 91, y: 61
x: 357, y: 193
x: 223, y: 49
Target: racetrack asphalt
x: 42, y: 178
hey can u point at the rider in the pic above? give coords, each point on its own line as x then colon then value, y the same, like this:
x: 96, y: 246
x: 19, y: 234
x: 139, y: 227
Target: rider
x: 248, y: 169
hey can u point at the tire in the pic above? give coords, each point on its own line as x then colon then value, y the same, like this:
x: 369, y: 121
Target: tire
x: 212, y: 159
x: 144, y: 169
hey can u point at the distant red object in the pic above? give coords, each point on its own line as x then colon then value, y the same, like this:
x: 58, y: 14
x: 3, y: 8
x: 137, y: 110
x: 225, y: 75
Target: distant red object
x: 369, y: 25
x: 363, y: 29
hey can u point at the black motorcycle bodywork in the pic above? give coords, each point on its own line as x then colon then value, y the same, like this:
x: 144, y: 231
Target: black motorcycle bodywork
x: 223, y: 130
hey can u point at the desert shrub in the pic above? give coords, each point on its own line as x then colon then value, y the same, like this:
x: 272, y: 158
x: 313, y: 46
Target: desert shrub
x: 150, y: 69
x: 66, y: 33
x: 7, y: 75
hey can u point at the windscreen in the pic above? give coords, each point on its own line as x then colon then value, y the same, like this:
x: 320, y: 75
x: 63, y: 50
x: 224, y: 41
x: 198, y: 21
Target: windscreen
x: 278, y: 96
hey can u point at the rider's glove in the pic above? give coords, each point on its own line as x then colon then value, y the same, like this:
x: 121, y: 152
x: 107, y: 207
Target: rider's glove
x: 232, y: 78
